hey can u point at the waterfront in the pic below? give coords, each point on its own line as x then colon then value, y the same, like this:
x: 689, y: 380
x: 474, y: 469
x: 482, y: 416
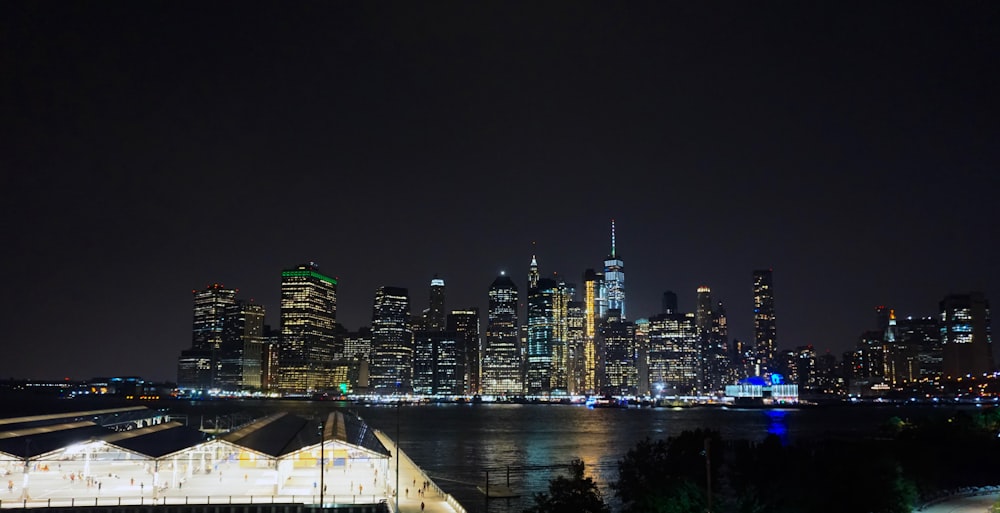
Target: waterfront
x: 456, y: 444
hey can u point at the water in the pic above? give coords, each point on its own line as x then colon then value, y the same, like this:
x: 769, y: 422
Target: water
x: 457, y: 444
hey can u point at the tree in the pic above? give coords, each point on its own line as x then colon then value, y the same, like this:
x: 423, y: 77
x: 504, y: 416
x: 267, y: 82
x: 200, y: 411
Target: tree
x: 573, y: 494
x: 668, y: 476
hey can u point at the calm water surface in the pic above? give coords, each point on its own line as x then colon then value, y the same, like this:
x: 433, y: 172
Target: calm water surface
x: 457, y: 444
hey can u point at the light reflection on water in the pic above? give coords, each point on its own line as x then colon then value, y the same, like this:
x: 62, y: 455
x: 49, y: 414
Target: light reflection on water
x: 457, y: 444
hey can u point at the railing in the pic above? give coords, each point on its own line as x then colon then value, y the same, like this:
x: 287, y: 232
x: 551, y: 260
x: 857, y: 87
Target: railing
x: 73, y: 502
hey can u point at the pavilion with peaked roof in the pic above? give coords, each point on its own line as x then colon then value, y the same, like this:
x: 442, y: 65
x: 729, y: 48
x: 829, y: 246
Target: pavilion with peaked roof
x: 139, y: 456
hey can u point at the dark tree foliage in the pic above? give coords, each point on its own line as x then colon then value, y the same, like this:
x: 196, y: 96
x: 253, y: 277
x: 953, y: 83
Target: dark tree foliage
x: 573, y: 494
x: 884, y: 474
x: 951, y: 450
x: 668, y: 475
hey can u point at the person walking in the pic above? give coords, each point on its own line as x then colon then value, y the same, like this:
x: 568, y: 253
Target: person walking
x: 421, y: 505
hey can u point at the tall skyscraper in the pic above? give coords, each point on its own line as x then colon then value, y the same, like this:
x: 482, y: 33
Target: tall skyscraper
x: 703, y: 314
x: 308, y: 322
x: 966, y: 339
x: 501, y: 370
x: 240, y: 354
x: 617, y: 335
x: 532, y: 274
x: 673, y: 354
x: 594, y: 310
x: 764, y: 330
x: 541, y: 333
x: 392, y: 342
x: 438, y: 364
x: 436, y: 312
x: 924, y: 333
x: 576, y: 347
x: 614, y: 278
x: 210, y: 306
x: 719, y: 370
x: 565, y: 292
x: 465, y: 323
x: 198, y: 368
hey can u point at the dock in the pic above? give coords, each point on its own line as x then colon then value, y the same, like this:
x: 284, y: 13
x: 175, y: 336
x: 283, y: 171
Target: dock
x: 497, y: 491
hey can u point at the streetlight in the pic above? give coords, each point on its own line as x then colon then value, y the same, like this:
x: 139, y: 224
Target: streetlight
x: 399, y: 404
x: 322, y: 441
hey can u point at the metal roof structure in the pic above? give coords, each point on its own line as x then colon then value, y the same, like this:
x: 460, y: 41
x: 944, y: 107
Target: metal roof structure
x: 282, y: 434
x: 40, y: 440
x: 99, y: 417
x: 159, y: 440
x: 274, y: 436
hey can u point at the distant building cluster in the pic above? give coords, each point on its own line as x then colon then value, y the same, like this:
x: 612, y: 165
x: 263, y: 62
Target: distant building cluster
x: 569, y: 340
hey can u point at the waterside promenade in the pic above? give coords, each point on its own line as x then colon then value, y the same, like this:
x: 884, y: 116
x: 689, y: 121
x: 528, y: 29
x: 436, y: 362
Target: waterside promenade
x: 411, y: 479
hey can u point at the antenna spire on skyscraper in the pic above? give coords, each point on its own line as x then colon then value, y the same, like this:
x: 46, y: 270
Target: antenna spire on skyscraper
x: 612, y: 237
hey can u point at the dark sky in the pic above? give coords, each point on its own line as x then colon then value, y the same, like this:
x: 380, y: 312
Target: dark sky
x: 150, y: 148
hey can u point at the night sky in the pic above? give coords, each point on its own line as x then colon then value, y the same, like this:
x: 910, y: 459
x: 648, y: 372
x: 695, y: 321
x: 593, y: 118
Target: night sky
x: 151, y: 148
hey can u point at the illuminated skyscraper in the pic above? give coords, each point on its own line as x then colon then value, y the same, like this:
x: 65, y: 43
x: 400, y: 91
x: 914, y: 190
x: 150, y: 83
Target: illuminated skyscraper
x: 541, y: 332
x: 240, y: 354
x: 559, y: 381
x: 614, y: 279
x: 673, y: 354
x: 966, y: 340
x: 308, y: 322
x: 198, y: 367
x: 210, y: 306
x: 501, y: 370
x: 594, y: 307
x: 436, y: 312
x: 465, y: 323
x: 617, y: 337
x: 576, y: 347
x: 764, y: 330
x: 532, y: 274
x: 438, y: 363
x: 924, y: 333
x: 392, y: 342
x: 712, y: 343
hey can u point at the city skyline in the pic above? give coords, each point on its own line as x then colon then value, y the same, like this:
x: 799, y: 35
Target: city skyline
x: 849, y: 148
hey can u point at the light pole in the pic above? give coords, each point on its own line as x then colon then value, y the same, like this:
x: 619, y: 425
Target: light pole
x: 708, y: 471
x: 399, y: 404
x: 322, y: 442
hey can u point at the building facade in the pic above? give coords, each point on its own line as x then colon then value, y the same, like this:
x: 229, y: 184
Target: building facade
x: 501, y: 368
x: 966, y: 338
x: 621, y: 377
x: 614, y: 279
x: 673, y: 355
x: 764, y: 329
x: 308, y: 324
x: 465, y: 324
x: 391, y: 370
